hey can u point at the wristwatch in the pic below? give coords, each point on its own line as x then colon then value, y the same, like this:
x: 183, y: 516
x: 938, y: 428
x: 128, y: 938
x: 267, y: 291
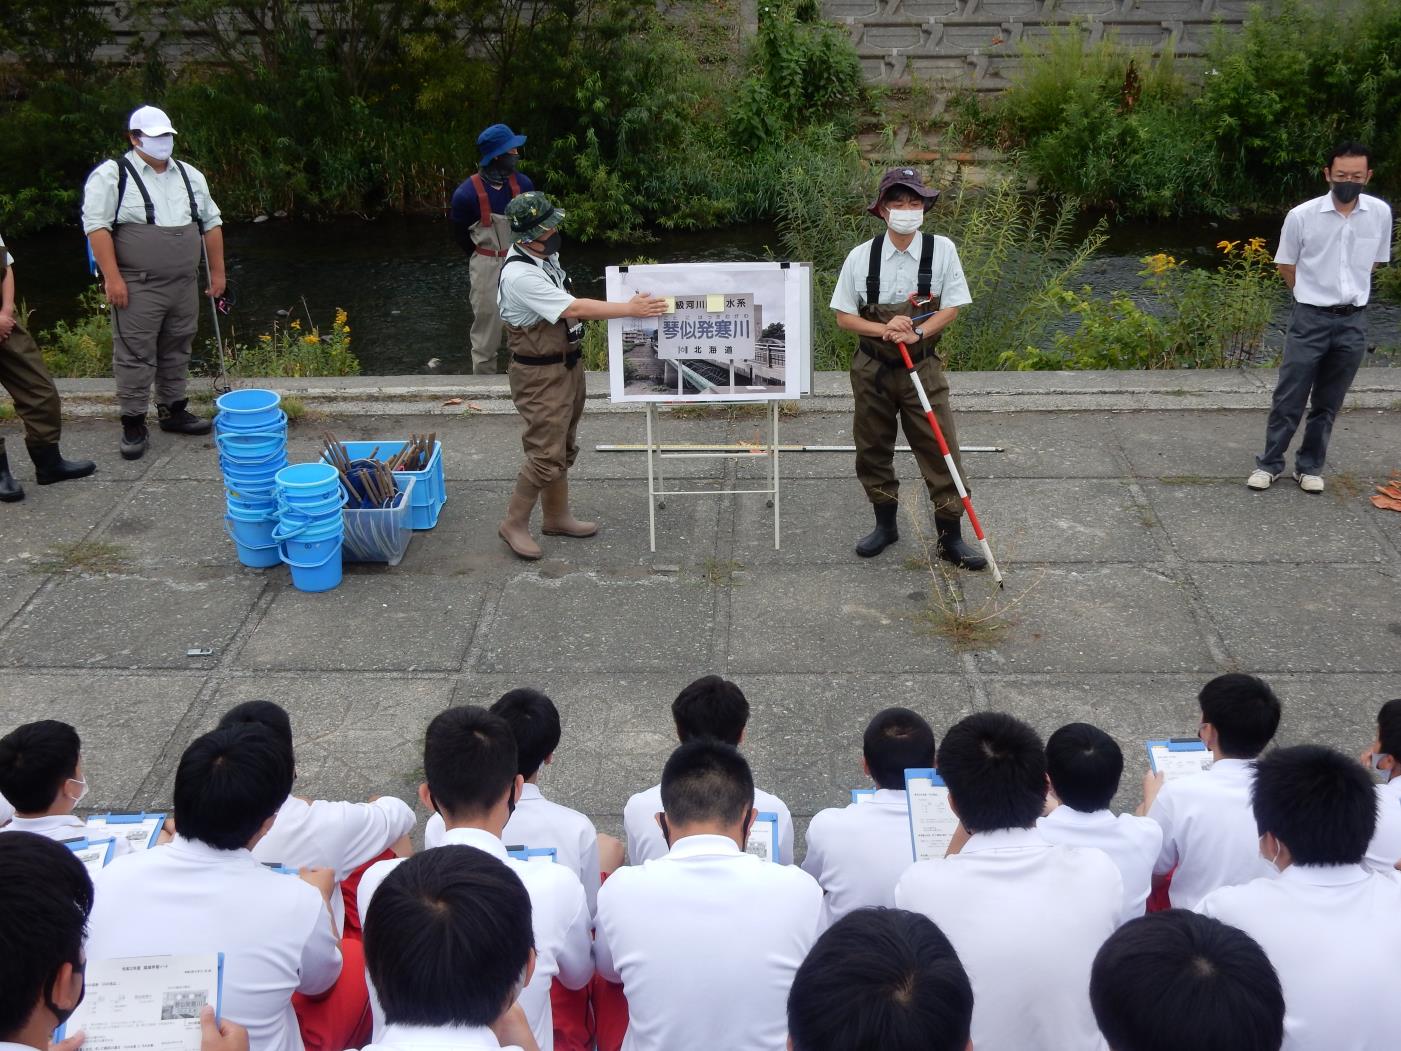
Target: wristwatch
x: 919, y: 332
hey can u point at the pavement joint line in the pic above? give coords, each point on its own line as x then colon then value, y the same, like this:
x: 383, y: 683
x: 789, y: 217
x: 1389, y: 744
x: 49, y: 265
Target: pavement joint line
x: 973, y: 680
x: 722, y: 598
x: 481, y: 630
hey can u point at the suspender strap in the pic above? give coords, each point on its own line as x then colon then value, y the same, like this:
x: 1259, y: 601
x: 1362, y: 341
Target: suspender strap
x: 873, y: 272
x: 483, y: 203
x: 520, y: 257
x: 124, y: 169
x: 514, y: 184
x: 926, y: 265
x: 194, y: 211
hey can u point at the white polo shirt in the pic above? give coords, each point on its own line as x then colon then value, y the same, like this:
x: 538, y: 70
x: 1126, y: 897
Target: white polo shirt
x: 899, y: 275
x: 1026, y: 919
x: 1335, y: 253
x: 1385, y: 849
x: 1131, y: 842
x: 61, y: 828
x: 528, y: 294
x: 430, y: 1038
x: 857, y: 853
x: 9, y: 261
x: 169, y: 198
x: 189, y: 897
x: 645, y: 839
x: 559, y: 917
x: 1331, y: 933
x: 705, y: 942
x: 1209, y: 833
x: 7, y: 812
x: 537, y: 822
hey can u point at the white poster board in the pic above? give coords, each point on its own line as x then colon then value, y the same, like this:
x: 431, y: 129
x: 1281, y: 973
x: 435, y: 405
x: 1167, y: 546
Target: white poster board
x: 734, y: 332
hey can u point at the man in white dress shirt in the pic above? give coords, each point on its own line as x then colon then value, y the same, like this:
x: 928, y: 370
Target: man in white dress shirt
x: 705, y: 941
x: 41, y: 770
x: 1085, y: 765
x: 709, y: 707
x: 857, y: 852
x: 1384, y: 756
x: 1176, y: 981
x: 881, y: 978
x: 469, y: 766
x: 206, y: 893
x: 1328, y: 924
x: 1026, y: 917
x: 1209, y: 837
x: 1327, y: 252
x: 448, y: 943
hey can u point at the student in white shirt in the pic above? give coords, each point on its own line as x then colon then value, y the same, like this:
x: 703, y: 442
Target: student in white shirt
x: 1085, y: 764
x: 709, y: 707
x: 1384, y: 755
x: 449, y: 947
x: 7, y: 812
x: 1209, y: 837
x: 41, y: 772
x: 470, y: 764
x: 857, y: 852
x: 1328, y: 924
x: 705, y: 941
x: 1026, y: 917
x: 205, y: 892
x: 1176, y: 981
x: 881, y: 978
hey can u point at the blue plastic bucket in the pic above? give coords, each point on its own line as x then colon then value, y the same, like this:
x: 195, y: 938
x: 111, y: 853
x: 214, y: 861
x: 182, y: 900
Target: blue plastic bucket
x: 308, y: 479
x: 308, y: 529
x: 248, y: 511
x: 252, y: 409
x: 314, y: 508
x: 251, y: 447
x: 253, y: 542
x: 311, y: 569
x: 225, y: 424
x: 258, y: 477
x: 247, y: 499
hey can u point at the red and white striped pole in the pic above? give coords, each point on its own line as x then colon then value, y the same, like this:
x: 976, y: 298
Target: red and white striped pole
x: 953, y: 468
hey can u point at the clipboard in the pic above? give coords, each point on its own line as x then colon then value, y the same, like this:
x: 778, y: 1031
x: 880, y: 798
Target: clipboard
x: 1176, y: 757
x: 95, y: 854
x: 763, y: 836
x: 537, y: 855
x: 863, y: 795
x: 177, y: 1007
x: 142, y: 821
x: 932, y: 820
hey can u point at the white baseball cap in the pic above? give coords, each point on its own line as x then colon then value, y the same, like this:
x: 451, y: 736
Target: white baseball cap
x: 150, y: 121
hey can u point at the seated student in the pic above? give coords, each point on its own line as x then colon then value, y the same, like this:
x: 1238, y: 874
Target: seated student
x: 1026, y: 917
x: 342, y: 837
x: 205, y: 892
x: 1084, y: 764
x: 1209, y: 837
x: 469, y: 766
x: 7, y: 812
x: 882, y: 979
x: 1176, y: 981
x: 449, y: 946
x: 1328, y: 924
x: 706, y: 939
x: 41, y: 772
x: 857, y: 852
x: 1384, y: 852
x: 710, y: 707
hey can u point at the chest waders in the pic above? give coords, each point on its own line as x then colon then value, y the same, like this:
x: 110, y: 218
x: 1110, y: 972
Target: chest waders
x: 491, y: 243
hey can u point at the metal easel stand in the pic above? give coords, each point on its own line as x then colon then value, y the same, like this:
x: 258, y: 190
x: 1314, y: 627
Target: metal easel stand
x: 657, y: 493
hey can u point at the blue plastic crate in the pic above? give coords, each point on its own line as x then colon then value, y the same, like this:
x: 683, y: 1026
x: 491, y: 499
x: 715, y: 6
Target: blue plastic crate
x: 429, y: 492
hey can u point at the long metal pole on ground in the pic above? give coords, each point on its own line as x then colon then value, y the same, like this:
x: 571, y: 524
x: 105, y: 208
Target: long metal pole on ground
x: 759, y: 450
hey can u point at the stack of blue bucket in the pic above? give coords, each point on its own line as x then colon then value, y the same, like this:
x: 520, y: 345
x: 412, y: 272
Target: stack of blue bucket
x: 310, y: 525
x: 251, y: 432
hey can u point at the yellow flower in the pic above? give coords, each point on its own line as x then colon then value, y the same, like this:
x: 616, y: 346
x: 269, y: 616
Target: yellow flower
x: 1256, y: 243
x: 345, y: 329
x: 311, y: 337
x: 1160, y: 262
x: 264, y: 338
x: 297, y: 325
x: 1227, y: 246
x: 341, y: 316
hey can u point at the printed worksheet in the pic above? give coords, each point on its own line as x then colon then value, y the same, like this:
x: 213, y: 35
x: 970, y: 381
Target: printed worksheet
x: 1178, y: 757
x: 932, y: 821
x: 763, y: 837
x: 147, y: 1003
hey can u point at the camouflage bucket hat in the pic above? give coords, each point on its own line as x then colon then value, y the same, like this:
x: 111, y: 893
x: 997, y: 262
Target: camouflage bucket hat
x: 532, y: 215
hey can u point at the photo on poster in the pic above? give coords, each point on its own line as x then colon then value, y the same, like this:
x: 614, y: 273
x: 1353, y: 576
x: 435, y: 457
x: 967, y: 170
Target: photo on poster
x: 733, y: 332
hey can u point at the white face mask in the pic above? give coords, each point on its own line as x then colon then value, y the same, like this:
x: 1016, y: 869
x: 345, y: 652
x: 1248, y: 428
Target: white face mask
x: 905, y: 220
x: 82, y: 784
x: 158, y: 147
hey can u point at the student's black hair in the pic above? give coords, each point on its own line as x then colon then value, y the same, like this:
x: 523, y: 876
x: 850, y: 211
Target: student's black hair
x: 263, y: 713
x: 1389, y: 728
x: 534, y: 720
x: 469, y: 760
x: 1084, y: 764
x: 896, y: 740
x: 1244, y: 711
x: 447, y: 938
x: 36, y: 760
x: 706, y: 780
x: 995, y: 769
x: 881, y: 980
x: 1319, y: 803
x: 1349, y: 148
x: 1176, y: 980
x: 229, y: 782
x: 710, y: 707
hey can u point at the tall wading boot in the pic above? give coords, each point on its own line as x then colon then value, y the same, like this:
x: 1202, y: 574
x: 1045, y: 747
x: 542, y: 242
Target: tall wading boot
x: 951, y: 545
x: 50, y: 466
x: 557, y: 521
x: 10, y: 490
x: 178, y: 419
x: 885, y: 533
x: 515, y: 527
x: 134, y: 436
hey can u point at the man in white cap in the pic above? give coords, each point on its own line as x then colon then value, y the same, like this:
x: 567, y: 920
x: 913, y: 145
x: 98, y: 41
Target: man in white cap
x: 145, y: 215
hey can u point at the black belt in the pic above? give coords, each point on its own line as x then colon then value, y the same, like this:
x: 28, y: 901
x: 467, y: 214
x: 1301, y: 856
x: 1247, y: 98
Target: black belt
x: 1341, y: 310
x: 897, y: 362
x: 568, y: 360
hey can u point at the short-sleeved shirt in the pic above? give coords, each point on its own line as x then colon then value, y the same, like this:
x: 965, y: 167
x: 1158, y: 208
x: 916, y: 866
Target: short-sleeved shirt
x: 9, y: 259
x: 169, y: 197
x: 1334, y: 253
x: 528, y: 294
x: 467, y: 210
x: 899, y: 275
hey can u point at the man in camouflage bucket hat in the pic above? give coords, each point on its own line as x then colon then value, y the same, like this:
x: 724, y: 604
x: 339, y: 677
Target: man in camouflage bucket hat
x: 547, y: 383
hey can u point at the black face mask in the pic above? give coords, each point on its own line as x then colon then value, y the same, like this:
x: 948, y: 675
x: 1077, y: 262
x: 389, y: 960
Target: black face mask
x: 552, y: 243
x: 61, y: 1014
x: 501, y: 168
x: 1346, y: 192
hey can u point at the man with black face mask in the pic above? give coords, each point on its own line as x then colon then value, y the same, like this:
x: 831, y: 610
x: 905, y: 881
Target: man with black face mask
x: 479, y: 225
x: 1327, y: 252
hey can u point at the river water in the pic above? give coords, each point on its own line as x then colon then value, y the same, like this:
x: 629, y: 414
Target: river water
x: 403, y: 280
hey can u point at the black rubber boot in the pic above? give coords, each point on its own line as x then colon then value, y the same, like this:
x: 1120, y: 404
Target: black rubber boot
x: 885, y: 533
x: 134, y: 436
x: 953, y: 549
x: 10, y: 490
x: 178, y: 419
x: 50, y: 466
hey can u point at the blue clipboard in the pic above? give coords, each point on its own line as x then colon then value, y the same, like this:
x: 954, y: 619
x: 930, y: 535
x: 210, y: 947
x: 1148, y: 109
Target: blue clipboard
x: 1173, y: 744
x: 134, y: 819
x: 218, y: 995
x: 863, y: 795
x: 771, y: 818
x: 524, y: 853
x: 76, y: 845
x: 919, y: 773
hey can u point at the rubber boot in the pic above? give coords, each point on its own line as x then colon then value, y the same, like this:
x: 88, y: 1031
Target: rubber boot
x: 178, y: 419
x: 557, y: 521
x: 885, y: 533
x: 515, y: 527
x: 134, y: 436
x: 50, y: 466
x: 10, y: 490
x: 951, y: 545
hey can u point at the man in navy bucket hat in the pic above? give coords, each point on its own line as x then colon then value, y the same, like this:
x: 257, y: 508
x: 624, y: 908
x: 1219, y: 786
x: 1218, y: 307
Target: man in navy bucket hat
x: 480, y: 227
